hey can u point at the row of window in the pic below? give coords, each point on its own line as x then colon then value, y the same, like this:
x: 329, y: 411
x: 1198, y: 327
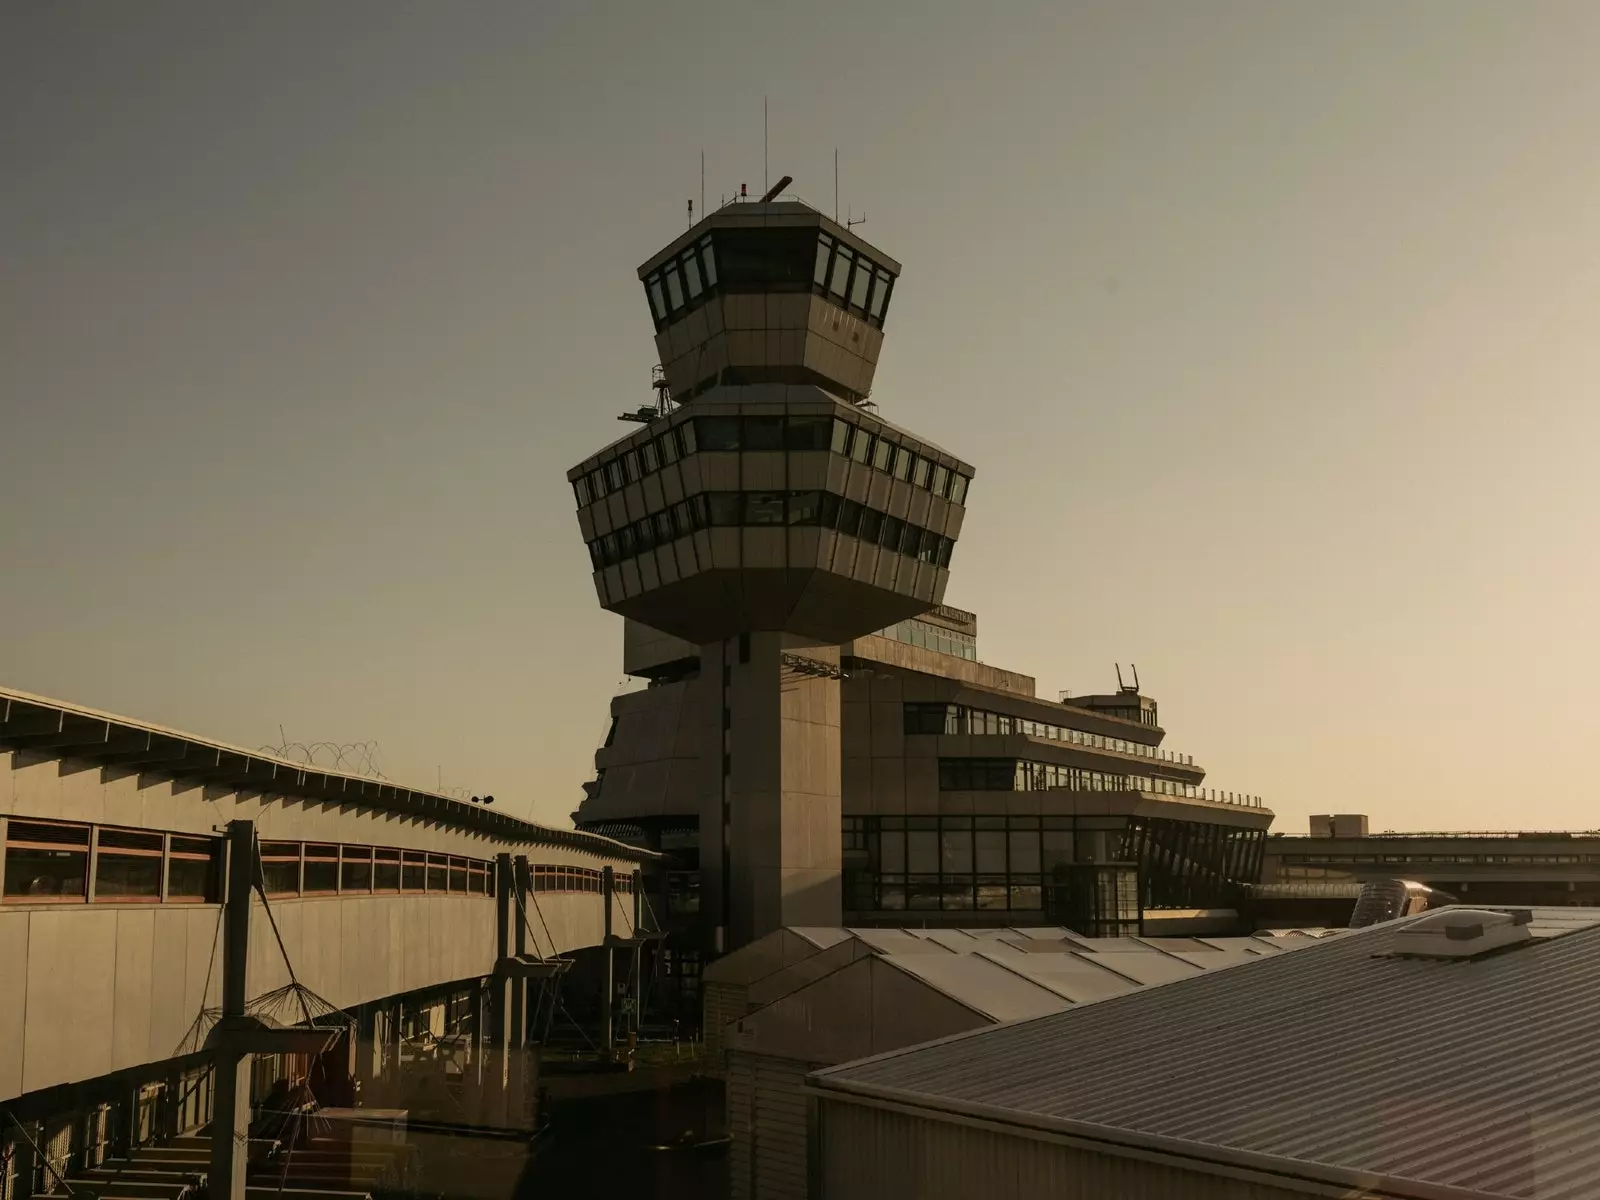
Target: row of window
x: 707, y: 510
x: 964, y: 845
x: 783, y: 259
x: 959, y: 719
x: 320, y: 868
x: 933, y: 637
x: 1024, y: 775
x: 796, y: 432
x: 48, y: 862
x: 981, y: 861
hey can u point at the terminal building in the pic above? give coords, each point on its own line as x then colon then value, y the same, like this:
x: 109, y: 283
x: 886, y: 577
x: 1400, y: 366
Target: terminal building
x: 817, y: 743
x: 192, y: 934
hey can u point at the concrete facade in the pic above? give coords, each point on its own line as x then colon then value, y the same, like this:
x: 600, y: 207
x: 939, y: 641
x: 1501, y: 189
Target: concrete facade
x: 96, y: 984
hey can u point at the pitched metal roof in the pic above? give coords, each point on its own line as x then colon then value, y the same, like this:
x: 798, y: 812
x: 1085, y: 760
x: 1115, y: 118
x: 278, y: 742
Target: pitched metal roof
x: 1476, y: 1078
x: 56, y: 729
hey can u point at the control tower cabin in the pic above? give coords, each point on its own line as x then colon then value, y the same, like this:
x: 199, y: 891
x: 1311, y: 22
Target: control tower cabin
x: 765, y: 514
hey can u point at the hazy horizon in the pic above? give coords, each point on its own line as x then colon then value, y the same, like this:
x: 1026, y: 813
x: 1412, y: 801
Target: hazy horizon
x: 1268, y: 328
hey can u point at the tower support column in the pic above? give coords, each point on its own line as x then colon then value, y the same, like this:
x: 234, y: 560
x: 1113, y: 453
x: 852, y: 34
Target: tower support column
x: 770, y: 819
x: 230, y: 1112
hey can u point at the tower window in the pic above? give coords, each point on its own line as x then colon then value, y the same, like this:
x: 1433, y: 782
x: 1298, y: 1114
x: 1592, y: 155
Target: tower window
x: 824, y: 253
x: 717, y: 433
x: 708, y: 262
x: 839, y: 284
x: 762, y: 433
x: 861, y: 285
x: 880, y: 296
x: 674, y: 287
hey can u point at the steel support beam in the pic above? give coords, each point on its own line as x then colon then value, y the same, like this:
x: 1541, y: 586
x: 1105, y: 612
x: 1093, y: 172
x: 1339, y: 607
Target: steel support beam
x: 230, y: 1117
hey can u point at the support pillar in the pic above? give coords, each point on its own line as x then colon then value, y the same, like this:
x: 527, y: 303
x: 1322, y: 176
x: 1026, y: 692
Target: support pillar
x: 25, y: 1163
x: 770, y: 814
x: 608, y: 880
x: 230, y: 1113
x: 496, y: 1062
x: 369, y: 1055
x: 519, y: 1068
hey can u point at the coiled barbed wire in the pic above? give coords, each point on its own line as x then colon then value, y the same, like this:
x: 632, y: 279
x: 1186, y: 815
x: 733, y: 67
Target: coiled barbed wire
x: 352, y: 758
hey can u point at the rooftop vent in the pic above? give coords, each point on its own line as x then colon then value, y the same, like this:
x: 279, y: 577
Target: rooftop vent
x: 1457, y: 933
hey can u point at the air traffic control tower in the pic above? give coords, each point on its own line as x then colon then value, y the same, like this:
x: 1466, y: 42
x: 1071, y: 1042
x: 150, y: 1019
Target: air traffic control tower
x: 764, y: 513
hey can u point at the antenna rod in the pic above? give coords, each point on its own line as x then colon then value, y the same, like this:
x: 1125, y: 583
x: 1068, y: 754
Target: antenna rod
x: 763, y: 143
x: 836, y: 185
x: 702, y: 183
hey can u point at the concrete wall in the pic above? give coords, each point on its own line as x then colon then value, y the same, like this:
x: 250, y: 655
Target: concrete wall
x: 87, y: 989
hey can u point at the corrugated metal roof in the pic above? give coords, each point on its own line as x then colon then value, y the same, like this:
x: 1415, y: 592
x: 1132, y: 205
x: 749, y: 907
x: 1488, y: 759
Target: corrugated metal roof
x: 1479, y: 1075
x: 981, y: 985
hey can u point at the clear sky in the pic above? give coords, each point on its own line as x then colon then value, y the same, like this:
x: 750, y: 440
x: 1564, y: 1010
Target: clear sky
x: 1269, y: 326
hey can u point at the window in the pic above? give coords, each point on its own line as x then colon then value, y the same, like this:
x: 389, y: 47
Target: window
x: 763, y: 508
x: 597, y: 483
x: 667, y: 446
x: 840, y: 442
x: 580, y: 489
x: 839, y: 281
x: 413, y: 871
x: 922, y: 475
x: 708, y: 261
x: 849, y: 517
x: 658, y: 301
x: 725, y: 507
x: 674, y: 287
x: 192, y: 870
x: 438, y: 873
x: 385, y: 870
x: 958, y: 489
x: 128, y: 865
x: 880, y: 296
x: 883, y: 455
x: 687, y: 442
x: 321, y: 869
x: 941, y: 480
x: 458, y: 875
x: 716, y: 433
x: 766, y: 260
x: 891, y: 534
x: 861, y: 446
x: 871, y: 524
x: 824, y: 253
x: 926, y: 718
x: 477, y: 879
x: 805, y: 432
x: 648, y: 462
x: 805, y: 508
x: 46, y: 861
x: 762, y: 433
x: 280, y: 868
x: 355, y: 869
x: 614, y: 479
x: 691, y: 274
x: 904, y: 463
x: 860, y: 286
